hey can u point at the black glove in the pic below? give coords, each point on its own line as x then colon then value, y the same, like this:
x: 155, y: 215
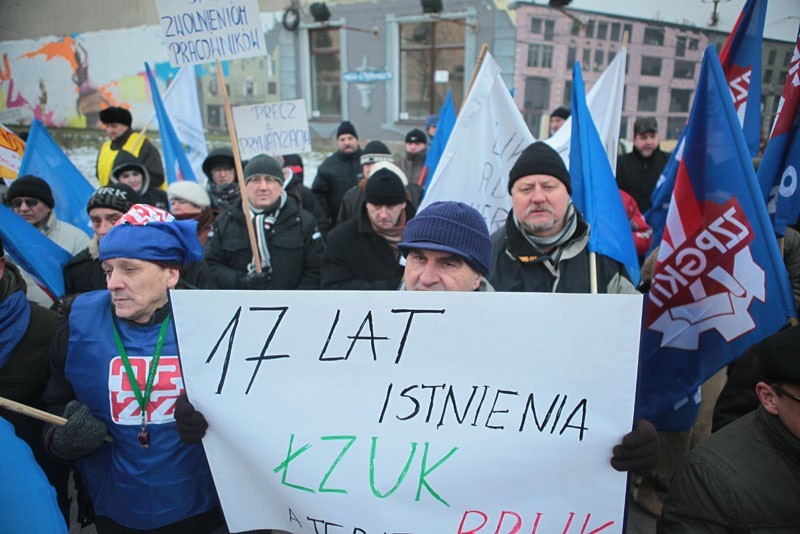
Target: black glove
x: 190, y: 424
x: 254, y: 280
x: 80, y: 436
x: 638, y: 450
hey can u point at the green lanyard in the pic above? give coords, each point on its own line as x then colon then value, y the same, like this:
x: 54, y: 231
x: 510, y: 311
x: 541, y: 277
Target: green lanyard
x: 143, y: 400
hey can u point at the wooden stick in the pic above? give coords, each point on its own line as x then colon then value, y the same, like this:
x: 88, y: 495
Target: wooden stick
x: 484, y: 49
x: 239, y: 172
x: 41, y: 415
x: 593, y: 272
x: 625, y: 38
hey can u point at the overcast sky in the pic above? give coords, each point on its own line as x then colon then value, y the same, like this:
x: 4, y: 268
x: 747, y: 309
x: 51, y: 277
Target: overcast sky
x: 783, y: 16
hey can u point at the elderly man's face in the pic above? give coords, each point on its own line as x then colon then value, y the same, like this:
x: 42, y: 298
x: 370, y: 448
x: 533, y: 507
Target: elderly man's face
x: 138, y: 288
x: 383, y: 216
x: 103, y: 220
x: 540, y: 204
x: 262, y: 191
x: 646, y: 143
x: 348, y: 144
x: 434, y: 270
x: 31, y: 209
x: 115, y: 129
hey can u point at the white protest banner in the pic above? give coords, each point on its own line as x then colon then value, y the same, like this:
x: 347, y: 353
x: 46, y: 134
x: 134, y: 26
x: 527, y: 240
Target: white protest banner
x: 202, y: 31
x: 412, y: 412
x: 274, y: 128
x: 487, y: 139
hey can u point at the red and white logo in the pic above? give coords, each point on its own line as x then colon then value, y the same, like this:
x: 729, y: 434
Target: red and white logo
x: 705, y: 277
x: 167, y: 386
x: 739, y: 85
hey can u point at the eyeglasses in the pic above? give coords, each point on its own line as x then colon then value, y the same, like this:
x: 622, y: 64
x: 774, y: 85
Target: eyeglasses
x: 16, y: 203
x: 785, y: 393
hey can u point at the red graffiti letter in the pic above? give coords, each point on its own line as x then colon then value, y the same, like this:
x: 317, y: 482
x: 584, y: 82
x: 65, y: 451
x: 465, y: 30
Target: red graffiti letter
x: 464, y: 520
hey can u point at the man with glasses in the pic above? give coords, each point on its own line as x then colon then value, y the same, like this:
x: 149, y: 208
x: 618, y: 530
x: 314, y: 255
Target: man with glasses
x: 32, y: 199
x: 747, y: 475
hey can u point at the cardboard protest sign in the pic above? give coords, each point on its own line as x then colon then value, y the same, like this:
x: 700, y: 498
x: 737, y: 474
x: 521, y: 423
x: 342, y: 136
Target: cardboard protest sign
x: 275, y: 128
x: 202, y: 31
x: 412, y: 412
x: 11, y: 150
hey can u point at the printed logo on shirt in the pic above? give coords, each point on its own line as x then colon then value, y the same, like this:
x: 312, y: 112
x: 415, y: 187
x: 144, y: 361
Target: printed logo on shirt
x: 167, y: 386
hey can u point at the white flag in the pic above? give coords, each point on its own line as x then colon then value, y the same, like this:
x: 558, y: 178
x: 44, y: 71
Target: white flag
x: 487, y: 138
x: 183, y: 108
x: 605, y: 104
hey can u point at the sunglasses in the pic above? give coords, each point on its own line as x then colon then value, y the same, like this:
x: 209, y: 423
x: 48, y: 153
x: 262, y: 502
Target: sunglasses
x: 785, y: 393
x: 30, y: 202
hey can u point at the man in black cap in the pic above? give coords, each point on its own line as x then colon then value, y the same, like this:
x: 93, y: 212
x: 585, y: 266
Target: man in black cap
x: 289, y: 244
x: 222, y: 186
x: 543, y: 246
x: 361, y: 253
x: 557, y: 118
x: 638, y: 171
x: 416, y: 152
x: 746, y: 476
x: 339, y: 172
x: 117, y: 122
x: 31, y: 198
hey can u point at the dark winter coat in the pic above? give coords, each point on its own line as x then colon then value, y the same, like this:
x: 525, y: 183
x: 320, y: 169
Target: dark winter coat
x: 743, y: 478
x: 518, y: 266
x: 637, y: 175
x: 338, y: 173
x: 307, y: 200
x: 295, y: 247
x: 357, y: 258
x: 412, y: 165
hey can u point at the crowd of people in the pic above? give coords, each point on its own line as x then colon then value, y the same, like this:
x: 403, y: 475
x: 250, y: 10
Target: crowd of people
x: 358, y: 227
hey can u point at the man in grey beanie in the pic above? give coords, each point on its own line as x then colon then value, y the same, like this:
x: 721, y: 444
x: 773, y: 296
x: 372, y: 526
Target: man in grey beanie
x: 289, y: 244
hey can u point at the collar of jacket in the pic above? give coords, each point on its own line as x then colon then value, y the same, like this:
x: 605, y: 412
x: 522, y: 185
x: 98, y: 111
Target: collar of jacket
x: 644, y: 160
x: 11, y: 281
x: 783, y: 440
x: 520, y: 249
x: 288, y: 210
x: 118, y: 143
x: 364, y: 224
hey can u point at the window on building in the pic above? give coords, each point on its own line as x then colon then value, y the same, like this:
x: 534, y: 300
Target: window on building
x: 537, y: 100
x: 567, y: 102
x: 599, y: 56
x: 549, y: 30
x: 249, y: 88
x: 272, y: 88
x: 540, y: 55
x: 214, y: 116
x: 615, y: 28
x: 590, y: 29
x: 213, y: 87
x: 767, y: 76
x: 680, y: 47
x: 602, y: 30
x: 683, y: 69
x: 783, y: 75
x: 680, y: 100
x: 576, y: 28
x: 788, y: 58
x: 623, y: 127
x: 771, y: 56
x: 586, y: 62
x: 693, y: 44
x: 571, y: 57
x: 628, y: 28
x: 536, y: 25
x: 611, y: 55
x: 326, y: 85
x: 654, y: 36
x: 648, y: 99
x: 675, y: 126
x: 651, y: 66
x: 427, y: 47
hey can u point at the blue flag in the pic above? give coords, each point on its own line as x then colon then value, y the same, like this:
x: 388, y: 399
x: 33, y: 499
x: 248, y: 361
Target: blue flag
x: 594, y: 189
x: 447, y: 119
x: 177, y: 166
x: 741, y: 62
x: 719, y: 284
x: 777, y: 173
x: 34, y: 252
x: 71, y: 191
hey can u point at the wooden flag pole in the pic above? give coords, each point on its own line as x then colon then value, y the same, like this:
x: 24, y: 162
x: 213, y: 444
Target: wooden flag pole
x: 484, y: 49
x: 593, y: 272
x: 239, y: 172
x: 35, y: 413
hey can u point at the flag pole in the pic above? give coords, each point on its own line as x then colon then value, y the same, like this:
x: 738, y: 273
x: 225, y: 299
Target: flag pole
x: 593, y: 272
x: 239, y: 172
x: 484, y: 50
x: 35, y: 413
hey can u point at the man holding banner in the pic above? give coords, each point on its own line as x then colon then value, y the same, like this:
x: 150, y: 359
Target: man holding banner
x: 543, y: 246
x: 145, y: 478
